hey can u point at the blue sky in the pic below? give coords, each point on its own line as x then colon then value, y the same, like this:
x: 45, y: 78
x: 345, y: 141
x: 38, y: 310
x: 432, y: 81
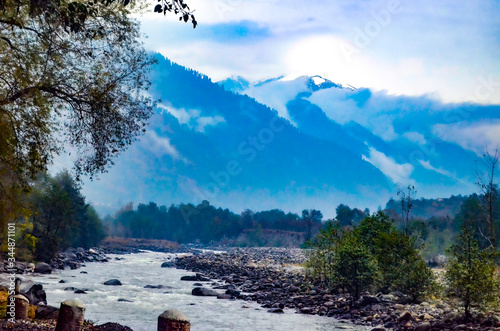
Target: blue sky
x: 447, y: 50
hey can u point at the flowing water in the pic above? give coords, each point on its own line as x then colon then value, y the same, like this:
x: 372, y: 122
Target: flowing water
x: 138, y: 270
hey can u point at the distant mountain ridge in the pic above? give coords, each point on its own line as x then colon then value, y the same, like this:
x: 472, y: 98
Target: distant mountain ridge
x: 275, y: 144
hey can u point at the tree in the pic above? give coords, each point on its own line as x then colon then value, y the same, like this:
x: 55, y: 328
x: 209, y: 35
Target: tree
x: 354, y: 265
x: 485, y: 181
x: 406, y: 200
x: 61, y: 218
x: 311, y: 217
x: 471, y: 274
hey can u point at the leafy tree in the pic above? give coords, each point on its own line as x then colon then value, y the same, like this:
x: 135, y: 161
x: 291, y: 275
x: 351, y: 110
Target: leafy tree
x: 61, y: 218
x: 320, y: 254
x: 471, y: 274
x: 354, y: 265
x: 401, y: 266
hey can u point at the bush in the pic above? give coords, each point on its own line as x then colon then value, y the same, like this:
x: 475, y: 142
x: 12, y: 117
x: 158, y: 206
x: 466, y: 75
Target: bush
x: 471, y: 274
x: 372, y: 255
x: 355, y: 268
x: 402, y: 268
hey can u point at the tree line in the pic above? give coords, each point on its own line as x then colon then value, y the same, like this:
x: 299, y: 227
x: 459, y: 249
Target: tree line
x: 204, y: 222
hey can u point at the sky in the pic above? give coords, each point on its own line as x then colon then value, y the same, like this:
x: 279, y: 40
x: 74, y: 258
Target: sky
x: 446, y: 50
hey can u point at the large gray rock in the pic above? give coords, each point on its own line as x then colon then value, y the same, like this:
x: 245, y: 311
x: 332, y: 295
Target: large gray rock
x: 43, y: 268
x: 36, y: 295
x: 203, y: 292
x: 113, y: 282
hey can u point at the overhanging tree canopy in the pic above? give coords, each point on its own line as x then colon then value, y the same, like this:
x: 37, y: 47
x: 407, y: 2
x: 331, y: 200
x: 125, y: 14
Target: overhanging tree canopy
x: 72, y: 72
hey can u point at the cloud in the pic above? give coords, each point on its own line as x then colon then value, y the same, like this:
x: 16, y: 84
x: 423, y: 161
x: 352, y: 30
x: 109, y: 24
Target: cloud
x: 448, y: 48
x: 203, y: 122
x: 161, y: 146
x: 398, y: 173
x: 476, y: 137
x: 427, y: 165
x: 415, y: 137
x: 184, y: 116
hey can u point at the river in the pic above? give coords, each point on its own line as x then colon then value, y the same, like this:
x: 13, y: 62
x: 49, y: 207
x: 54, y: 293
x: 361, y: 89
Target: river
x: 138, y: 270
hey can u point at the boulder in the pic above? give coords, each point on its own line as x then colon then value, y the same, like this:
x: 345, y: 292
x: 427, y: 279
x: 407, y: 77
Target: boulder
x: 369, y: 299
x: 203, y: 292
x: 113, y: 282
x: 426, y: 326
x: 80, y: 292
x: 195, y: 278
x: 405, y: 317
x: 168, y: 264
x: 46, y: 312
x: 43, y: 268
x: 276, y: 311
x: 36, y: 295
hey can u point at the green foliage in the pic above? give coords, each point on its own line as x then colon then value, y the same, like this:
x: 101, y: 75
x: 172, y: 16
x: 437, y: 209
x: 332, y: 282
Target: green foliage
x: 355, y: 268
x: 372, y: 254
x: 320, y: 254
x: 205, y: 223
x: 471, y: 274
x: 61, y: 218
x: 402, y: 268
x: 347, y: 216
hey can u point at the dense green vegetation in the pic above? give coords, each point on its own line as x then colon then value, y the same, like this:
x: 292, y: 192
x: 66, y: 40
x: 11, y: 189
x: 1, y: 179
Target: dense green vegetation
x: 385, y: 253
x: 58, y: 218
x: 204, y: 223
x: 371, y: 256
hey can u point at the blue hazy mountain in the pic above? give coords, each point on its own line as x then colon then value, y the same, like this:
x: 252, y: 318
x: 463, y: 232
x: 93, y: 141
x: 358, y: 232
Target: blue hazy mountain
x: 280, y: 143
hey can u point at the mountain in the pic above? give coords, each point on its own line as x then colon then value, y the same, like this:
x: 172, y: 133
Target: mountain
x: 280, y: 143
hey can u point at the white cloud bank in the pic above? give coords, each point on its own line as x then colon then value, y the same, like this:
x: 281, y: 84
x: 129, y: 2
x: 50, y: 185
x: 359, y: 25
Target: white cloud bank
x: 398, y: 173
x: 476, y: 137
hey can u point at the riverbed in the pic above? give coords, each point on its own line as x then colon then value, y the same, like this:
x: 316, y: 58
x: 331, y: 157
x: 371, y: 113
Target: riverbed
x: 135, y: 271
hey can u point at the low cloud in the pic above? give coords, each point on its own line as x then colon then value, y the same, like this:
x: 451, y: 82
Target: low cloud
x: 427, y: 165
x: 161, y: 146
x: 398, y: 173
x: 476, y: 137
x: 203, y: 122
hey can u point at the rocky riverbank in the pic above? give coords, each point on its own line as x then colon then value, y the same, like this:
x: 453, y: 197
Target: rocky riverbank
x: 271, y: 278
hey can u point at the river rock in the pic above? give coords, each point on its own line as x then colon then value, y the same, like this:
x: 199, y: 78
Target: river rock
x: 36, y: 295
x: 368, y: 300
x: 405, y: 317
x: 124, y: 300
x: 43, y: 268
x: 46, y: 312
x: 195, y: 278
x: 153, y: 286
x: 113, y: 282
x: 276, y: 311
x: 168, y: 264
x: 203, y: 292
x: 426, y: 326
